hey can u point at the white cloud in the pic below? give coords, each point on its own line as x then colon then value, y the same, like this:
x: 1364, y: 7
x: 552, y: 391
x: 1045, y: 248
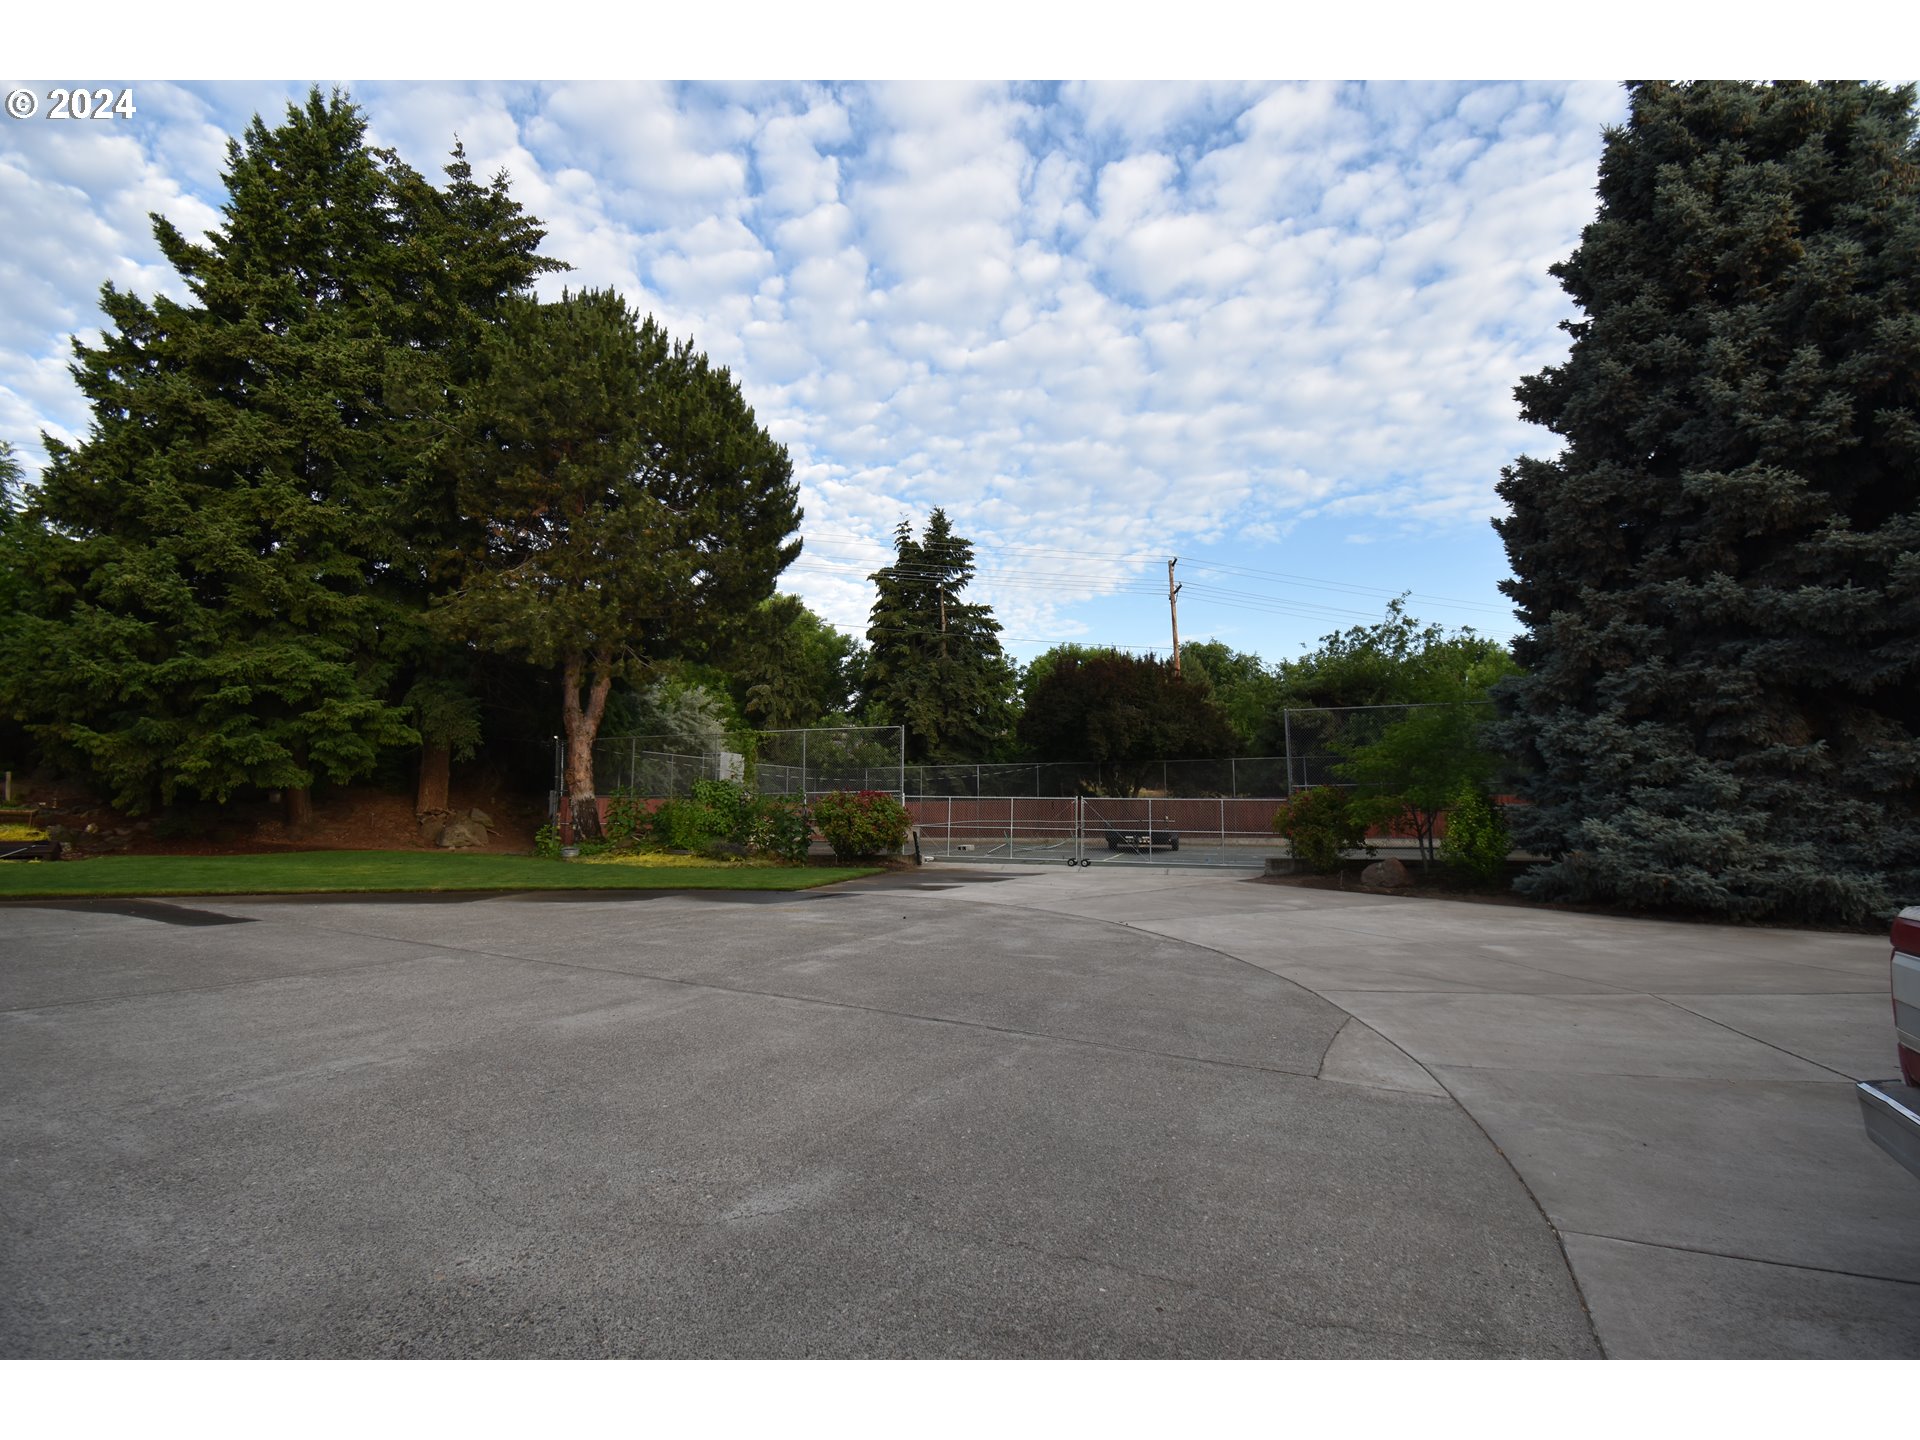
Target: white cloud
x: 1099, y: 318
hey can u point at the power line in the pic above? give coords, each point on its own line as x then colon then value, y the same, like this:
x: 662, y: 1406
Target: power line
x: 1142, y: 558
x: 1059, y: 581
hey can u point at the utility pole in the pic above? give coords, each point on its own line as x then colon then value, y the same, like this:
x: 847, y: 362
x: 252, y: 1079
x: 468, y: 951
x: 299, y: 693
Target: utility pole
x: 1173, y: 604
x: 943, y: 622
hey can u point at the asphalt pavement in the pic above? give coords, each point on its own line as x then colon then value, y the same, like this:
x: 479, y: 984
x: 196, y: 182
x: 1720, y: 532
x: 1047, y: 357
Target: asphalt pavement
x: 873, y: 1121
x: 971, y: 1111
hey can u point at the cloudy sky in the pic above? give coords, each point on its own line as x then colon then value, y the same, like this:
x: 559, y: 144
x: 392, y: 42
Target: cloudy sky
x: 1271, y: 328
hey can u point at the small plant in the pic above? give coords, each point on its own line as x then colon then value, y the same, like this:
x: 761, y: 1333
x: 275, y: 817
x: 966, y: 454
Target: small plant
x: 546, y: 841
x: 1476, y: 840
x: 1320, y: 825
x: 863, y: 824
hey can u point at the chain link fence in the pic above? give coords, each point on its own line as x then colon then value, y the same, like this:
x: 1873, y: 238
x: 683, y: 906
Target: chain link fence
x: 1321, y: 740
x: 817, y: 761
x: 1240, y: 775
x: 772, y: 762
x: 820, y: 761
x: 1318, y: 741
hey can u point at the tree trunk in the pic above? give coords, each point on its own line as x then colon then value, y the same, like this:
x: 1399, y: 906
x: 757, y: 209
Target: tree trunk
x: 435, y: 763
x: 581, y: 723
x: 296, y: 801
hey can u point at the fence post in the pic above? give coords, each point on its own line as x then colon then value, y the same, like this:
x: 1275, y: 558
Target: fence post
x: 1009, y: 827
x: 1223, y: 822
x: 1286, y: 724
x: 1233, y: 776
x: 803, y: 767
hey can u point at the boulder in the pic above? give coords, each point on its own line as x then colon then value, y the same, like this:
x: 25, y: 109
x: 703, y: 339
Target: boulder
x: 432, y: 822
x: 482, y: 819
x: 1385, y: 875
x: 461, y: 835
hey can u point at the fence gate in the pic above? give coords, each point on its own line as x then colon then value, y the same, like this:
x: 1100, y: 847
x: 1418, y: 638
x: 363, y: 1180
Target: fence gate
x: 1097, y: 830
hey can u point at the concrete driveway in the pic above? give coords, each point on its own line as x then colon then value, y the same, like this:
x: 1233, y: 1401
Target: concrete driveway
x: 965, y: 1112
x: 1677, y: 1097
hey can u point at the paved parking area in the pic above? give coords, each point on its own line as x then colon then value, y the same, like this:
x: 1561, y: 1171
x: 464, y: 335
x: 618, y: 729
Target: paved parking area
x: 970, y: 1111
x: 874, y: 1121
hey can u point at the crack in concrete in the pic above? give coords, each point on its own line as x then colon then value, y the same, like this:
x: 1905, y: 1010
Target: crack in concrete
x: 1745, y: 1259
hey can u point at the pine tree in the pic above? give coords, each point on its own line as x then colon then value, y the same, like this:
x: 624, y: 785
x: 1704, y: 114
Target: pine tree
x: 934, y: 663
x: 11, y: 488
x: 229, y: 576
x: 635, y: 509
x: 1719, y: 576
x: 470, y: 250
x: 790, y: 668
x: 203, y: 617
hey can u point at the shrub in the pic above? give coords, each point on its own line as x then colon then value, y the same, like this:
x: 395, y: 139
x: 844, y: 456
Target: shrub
x: 782, y: 828
x: 1476, y: 840
x: 627, y: 821
x: 860, y: 826
x: 1320, y: 825
x: 685, y: 825
x: 730, y: 807
x: 546, y: 841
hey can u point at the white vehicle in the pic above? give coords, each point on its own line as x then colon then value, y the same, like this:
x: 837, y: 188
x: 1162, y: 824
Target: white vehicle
x: 1892, y: 1107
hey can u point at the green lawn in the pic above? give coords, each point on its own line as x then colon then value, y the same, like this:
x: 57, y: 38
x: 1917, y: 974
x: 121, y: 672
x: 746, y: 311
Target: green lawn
x: 365, y: 871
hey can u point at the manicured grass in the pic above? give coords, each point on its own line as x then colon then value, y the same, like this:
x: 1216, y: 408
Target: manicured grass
x: 368, y: 871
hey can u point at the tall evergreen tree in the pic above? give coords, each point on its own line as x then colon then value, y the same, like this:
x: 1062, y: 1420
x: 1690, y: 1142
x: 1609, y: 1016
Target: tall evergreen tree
x: 790, y: 668
x: 12, y: 491
x: 228, y: 576
x: 202, y: 616
x: 934, y: 663
x: 1719, y: 576
x: 636, y: 509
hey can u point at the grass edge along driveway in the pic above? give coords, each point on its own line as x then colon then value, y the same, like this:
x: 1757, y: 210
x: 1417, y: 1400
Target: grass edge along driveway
x: 319, y: 872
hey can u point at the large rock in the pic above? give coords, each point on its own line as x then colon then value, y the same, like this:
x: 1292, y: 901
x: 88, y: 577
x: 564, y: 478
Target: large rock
x: 461, y: 835
x: 1385, y: 875
x: 481, y: 818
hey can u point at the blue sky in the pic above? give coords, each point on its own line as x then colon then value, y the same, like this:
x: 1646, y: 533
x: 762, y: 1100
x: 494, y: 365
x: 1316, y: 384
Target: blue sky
x: 1271, y: 328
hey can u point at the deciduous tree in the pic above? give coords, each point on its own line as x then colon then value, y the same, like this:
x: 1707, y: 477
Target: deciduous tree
x: 1123, y: 712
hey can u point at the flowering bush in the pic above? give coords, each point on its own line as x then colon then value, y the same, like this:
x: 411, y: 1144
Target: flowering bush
x: 862, y: 825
